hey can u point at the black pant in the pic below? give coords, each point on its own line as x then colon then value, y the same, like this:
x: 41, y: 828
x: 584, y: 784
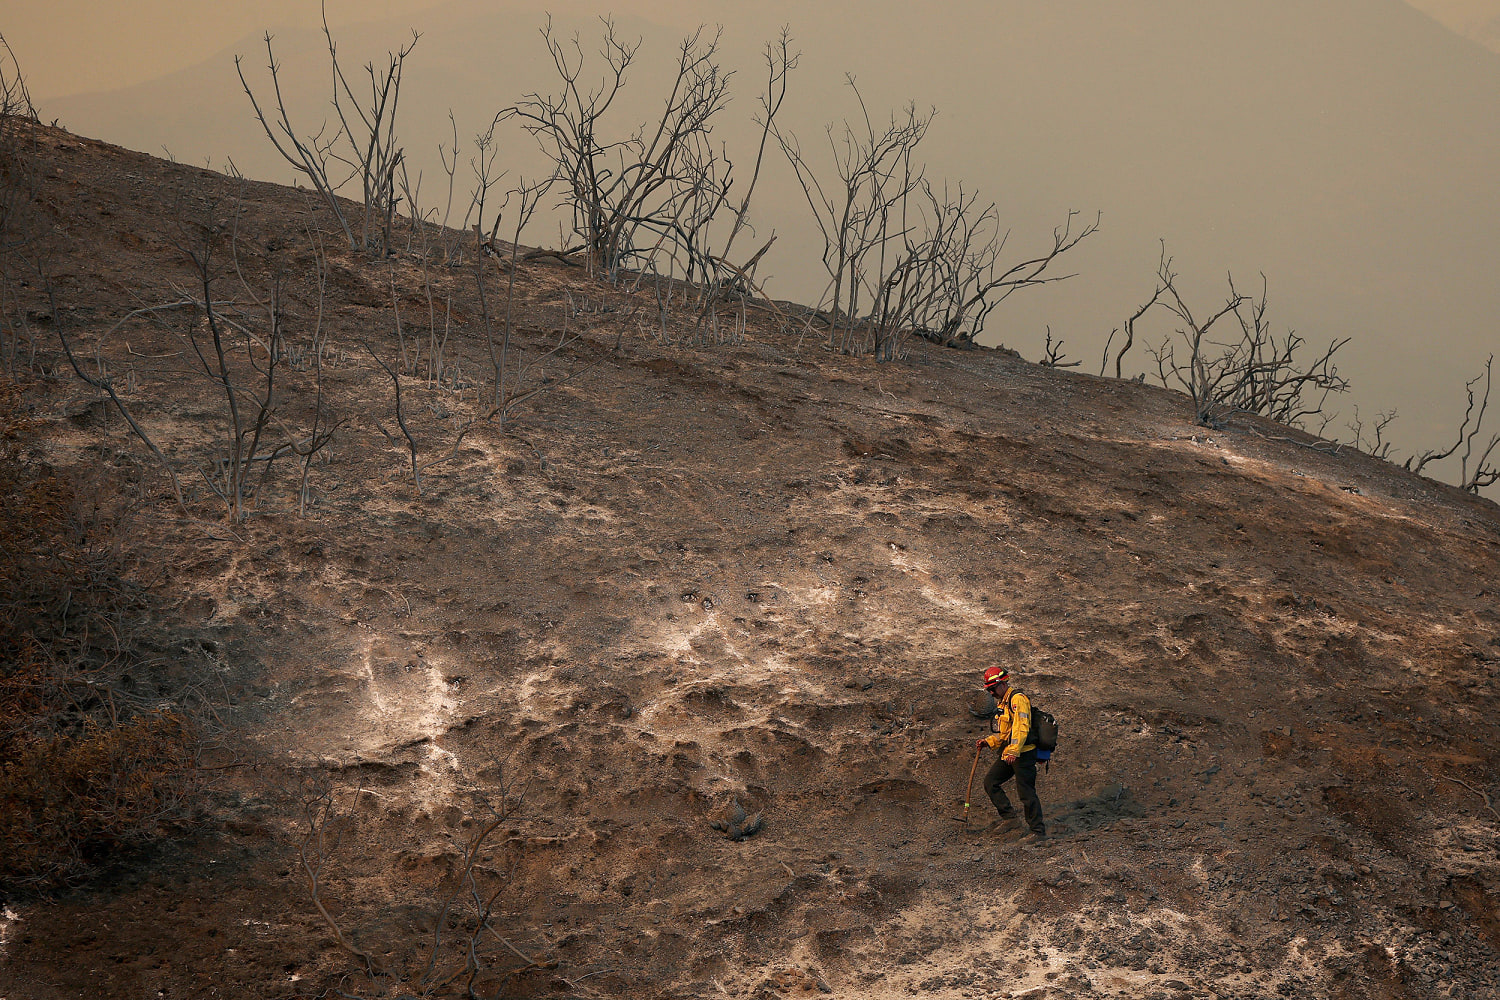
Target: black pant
x: 1024, y: 771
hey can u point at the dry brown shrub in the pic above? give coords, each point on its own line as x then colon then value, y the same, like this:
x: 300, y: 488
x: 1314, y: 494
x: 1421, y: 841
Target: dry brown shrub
x: 88, y: 764
x: 68, y: 802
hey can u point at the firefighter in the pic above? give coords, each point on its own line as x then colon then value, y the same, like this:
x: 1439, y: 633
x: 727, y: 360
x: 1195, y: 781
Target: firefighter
x: 1010, y: 733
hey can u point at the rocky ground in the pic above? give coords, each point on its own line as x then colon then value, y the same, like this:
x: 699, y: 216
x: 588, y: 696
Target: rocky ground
x: 689, y: 575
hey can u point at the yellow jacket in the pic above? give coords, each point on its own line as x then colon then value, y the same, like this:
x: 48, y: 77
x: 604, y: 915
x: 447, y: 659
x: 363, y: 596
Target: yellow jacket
x: 1012, y: 724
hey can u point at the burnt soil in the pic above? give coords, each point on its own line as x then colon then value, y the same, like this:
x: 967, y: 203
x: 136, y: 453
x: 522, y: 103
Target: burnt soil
x: 705, y: 569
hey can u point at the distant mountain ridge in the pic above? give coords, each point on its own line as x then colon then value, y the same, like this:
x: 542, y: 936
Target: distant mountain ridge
x: 1476, y: 20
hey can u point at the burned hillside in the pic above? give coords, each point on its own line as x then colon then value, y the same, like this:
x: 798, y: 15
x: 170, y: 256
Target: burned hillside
x: 482, y: 669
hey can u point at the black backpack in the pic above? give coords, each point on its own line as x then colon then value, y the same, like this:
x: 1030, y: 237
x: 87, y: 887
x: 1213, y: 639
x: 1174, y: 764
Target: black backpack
x: 1043, y: 730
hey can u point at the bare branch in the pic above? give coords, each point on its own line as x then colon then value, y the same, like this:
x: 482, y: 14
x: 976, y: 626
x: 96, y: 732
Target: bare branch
x: 369, y: 147
x: 1483, y: 474
x: 1053, y: 356
x: 1253, y: 373
x: 411, y: 442
x: 106, y: 385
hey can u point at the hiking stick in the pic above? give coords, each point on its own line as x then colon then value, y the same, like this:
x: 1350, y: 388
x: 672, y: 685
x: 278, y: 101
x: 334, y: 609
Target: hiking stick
x: 970, y: 787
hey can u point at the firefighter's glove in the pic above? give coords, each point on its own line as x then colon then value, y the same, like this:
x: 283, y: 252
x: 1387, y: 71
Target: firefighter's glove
x: 1009, y: 756
x: 980, y: 743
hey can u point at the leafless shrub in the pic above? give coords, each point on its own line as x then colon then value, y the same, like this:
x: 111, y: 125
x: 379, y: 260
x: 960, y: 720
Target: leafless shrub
x: 726, y: 280
x: 102, y: 381
x: 535, y: 371
x: 438, y: 375
x: 249, y: 393
x: 868, y: 215
x: 364, y: 146
x: 246, y: 359
x: 419, y: 220
x: 662, y: 184
x: 960, y: 278
x: 511, y: 383
x: 1053, y: 356
x: 1477, y: 465
x: 17, y: 165
x: 448, y: 157
x: 19, y: 182
x: 780, y: 61
x: 508, y: 387
x: 399, y: 411
x: 482, y: 165
x: 456, y: 946
x: 1130, y: 323
x: 324, y: 423
x: 919, y: 260
x: 1251, y: 372
x: 528, y: 200
x: 15, y: 99
x: 1209, y: 379
x: 1276, y: 382
x: 1376, y: 444
x: 463, y: 420
x: 527, y: 196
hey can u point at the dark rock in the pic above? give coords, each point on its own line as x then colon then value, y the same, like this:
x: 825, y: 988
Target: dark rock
x: 735, y: 823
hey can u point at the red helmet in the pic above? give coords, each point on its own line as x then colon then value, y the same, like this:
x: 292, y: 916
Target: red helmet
x: 996, y: 676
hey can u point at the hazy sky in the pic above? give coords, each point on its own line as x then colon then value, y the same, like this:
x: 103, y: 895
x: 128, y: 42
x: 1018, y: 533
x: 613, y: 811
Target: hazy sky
x: 1348, y: 149
x: 75, y: 46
